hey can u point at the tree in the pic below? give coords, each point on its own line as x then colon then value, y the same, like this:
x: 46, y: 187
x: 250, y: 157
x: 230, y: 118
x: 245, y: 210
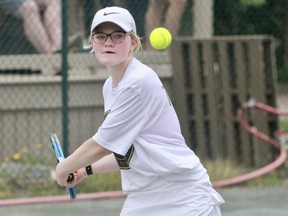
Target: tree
x: 246, y: 17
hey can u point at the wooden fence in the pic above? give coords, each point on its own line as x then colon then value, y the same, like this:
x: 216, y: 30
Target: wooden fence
x: 212, y: 77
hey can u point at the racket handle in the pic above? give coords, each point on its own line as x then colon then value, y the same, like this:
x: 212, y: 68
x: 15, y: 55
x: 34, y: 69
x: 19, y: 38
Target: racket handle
x: 72, y: 193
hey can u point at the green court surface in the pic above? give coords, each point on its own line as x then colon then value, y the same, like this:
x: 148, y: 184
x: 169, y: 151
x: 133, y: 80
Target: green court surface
x: 239, y: 202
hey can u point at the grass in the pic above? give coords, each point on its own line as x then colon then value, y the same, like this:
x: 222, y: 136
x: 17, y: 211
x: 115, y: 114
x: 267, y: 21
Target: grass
x: 101, y: 182
x: 12, y: 188
x: 222, y: 169
x: 217, y: 170
x: 225, y: 169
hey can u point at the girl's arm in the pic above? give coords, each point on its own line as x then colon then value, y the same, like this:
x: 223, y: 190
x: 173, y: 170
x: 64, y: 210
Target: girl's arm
x: 89, y: 152
x: 106, y: 164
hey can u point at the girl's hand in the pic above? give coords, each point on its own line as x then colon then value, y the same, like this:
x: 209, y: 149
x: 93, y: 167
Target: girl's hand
x: 78, y: 177
x: 61, y: 175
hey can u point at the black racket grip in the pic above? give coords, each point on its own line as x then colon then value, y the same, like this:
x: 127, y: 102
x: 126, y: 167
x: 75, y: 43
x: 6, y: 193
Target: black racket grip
x: 70, y: 178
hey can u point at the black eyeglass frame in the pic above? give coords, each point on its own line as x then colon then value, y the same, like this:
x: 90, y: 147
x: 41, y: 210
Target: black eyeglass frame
x: 109, y: 35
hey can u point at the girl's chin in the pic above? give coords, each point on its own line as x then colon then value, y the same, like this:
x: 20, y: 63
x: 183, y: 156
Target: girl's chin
x: 107, y: 61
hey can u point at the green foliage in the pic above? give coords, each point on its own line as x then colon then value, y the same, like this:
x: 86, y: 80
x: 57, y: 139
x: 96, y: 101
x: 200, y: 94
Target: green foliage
x: 283, y: 74
x: 254, y: 3
x: 283, y: 125
x: 254, y: 17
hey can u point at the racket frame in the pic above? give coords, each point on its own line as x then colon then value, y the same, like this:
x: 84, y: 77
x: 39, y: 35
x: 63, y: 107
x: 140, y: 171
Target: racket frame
x: 60, y: 156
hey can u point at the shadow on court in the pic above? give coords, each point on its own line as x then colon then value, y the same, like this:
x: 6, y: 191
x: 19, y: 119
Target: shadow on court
x: 239, y: 202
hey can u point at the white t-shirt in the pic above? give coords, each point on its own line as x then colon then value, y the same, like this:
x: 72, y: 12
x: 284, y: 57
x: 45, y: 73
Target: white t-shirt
x: 142, y: 129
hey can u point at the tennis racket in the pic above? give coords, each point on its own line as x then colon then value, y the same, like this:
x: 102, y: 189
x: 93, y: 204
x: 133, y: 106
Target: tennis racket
x: 60, y: 156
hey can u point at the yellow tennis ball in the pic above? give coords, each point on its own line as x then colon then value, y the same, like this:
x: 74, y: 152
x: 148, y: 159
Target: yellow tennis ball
x: 160, y: 38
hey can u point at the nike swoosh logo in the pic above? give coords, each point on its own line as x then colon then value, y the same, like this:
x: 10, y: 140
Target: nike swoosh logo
x: 106, y: 14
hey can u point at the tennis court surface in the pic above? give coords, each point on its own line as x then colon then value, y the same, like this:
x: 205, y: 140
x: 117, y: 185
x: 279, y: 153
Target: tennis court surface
x: 239, y: 202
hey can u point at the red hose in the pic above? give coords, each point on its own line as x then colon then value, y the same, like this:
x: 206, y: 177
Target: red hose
x: 268, y: 168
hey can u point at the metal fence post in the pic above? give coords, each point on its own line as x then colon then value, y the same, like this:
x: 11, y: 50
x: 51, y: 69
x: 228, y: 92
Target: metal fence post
x: 65, y: 108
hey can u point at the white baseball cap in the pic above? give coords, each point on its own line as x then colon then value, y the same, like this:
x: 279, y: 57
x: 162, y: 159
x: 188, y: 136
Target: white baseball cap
x: 116, y: 15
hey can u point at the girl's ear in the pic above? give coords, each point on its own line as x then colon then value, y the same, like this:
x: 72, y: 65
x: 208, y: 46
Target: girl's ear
x: 134, y: 42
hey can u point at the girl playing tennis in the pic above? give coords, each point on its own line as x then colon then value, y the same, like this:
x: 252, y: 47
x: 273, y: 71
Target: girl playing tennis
x: 141, y: 134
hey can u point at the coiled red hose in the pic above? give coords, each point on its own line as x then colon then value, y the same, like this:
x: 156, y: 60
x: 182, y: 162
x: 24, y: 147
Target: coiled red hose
x: 268, y: 168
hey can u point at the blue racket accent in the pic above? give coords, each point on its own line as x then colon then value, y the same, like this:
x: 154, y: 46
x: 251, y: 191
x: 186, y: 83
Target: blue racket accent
x: 60, y: 156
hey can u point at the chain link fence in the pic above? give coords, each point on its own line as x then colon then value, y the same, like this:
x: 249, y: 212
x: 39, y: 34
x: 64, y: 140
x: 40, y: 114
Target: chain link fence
x: 36, y: 100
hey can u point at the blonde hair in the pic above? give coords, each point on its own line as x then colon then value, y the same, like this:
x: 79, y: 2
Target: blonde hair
x: 138, y: 47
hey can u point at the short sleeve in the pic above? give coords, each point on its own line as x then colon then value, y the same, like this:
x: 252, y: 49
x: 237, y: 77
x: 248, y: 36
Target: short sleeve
x: 123, y: 123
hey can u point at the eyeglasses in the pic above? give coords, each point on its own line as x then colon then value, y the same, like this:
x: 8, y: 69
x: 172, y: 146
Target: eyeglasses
x: 116, y: 37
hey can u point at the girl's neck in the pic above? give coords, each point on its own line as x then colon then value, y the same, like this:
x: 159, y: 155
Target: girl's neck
x: 117, y: 72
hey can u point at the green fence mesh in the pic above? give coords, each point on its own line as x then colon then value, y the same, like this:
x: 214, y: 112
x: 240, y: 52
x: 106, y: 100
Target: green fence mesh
x: 33, y: 78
